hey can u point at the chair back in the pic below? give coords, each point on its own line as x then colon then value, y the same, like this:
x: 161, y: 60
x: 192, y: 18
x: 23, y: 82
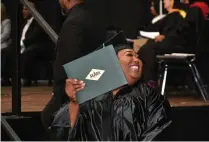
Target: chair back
x: 202, y: 52
x: 195, y: 20
x: 202, y: 42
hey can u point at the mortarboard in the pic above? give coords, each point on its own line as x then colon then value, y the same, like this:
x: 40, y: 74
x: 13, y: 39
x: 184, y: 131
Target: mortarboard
x: 118, y: 41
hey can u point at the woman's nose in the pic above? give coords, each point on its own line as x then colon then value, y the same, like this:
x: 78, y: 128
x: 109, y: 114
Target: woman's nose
x: 136, y: 59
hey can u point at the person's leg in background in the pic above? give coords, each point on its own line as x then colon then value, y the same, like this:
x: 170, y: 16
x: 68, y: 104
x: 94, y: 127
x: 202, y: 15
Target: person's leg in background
x: 148, y: 56
x: 5, y: 67
x: 29, y: 59
x: 58, y: 99
x: 47, y: 114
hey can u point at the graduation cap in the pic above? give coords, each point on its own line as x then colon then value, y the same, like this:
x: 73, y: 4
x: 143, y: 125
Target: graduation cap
x: 118, y: 41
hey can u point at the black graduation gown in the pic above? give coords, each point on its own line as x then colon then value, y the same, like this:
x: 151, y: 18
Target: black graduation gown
x: 136, y: 113
x: 175, y: 29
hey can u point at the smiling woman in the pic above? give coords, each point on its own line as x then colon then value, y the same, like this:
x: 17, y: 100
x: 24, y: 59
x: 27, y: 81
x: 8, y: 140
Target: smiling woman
x: 130, y: 64
x: 133, y: 112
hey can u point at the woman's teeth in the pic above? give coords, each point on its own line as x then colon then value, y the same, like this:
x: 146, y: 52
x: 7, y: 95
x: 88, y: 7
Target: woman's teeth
x: 136, y: 68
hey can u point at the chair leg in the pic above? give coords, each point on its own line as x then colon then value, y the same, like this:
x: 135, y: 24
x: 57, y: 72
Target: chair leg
x: 160, y: 74
x: 49, y: 74
x: 50, y: 83
x: 198, y: 81
x: 163, y: 83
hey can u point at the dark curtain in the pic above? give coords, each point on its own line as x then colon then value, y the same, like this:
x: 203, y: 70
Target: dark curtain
x: 131, y: 15
x: 128, y: 15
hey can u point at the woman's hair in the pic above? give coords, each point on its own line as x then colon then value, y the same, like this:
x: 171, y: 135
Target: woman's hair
x: 3, y: 12
x: 120, y: 47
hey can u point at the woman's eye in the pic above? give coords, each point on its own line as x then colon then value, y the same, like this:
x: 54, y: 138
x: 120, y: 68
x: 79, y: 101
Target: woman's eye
x: 130, y: 55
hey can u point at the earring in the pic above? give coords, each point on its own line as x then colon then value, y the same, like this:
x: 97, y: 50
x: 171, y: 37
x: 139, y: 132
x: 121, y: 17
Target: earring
x: 63, y: 11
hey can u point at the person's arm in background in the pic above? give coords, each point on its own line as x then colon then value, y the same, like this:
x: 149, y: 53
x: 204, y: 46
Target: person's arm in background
x: 175, y: 31
x: 5, y: 35
x: 69, y: 47
x: 179, y: 28
x: 38, y: 34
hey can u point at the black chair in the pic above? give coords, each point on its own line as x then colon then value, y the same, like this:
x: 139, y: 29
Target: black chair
x: 188, y: 61
x: 202, y: 53
x: 195, y: 19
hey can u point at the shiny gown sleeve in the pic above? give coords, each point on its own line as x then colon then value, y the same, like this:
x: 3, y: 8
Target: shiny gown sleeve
x: 158, y: 117
x: 60, y: 127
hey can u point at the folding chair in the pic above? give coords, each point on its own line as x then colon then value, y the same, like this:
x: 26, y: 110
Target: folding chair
x: 170, y: 61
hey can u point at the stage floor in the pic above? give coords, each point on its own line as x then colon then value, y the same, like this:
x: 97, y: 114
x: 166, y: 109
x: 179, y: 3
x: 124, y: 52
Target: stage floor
x: 35, y: 98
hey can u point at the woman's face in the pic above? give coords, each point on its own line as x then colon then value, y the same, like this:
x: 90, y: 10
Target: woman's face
x: 131, y: 65
x: 26, y: 12
x: 168, y: 4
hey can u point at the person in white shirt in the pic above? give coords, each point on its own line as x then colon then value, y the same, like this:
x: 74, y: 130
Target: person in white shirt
x: 5, y: 28
x: 5, y: 44
x: 34, y: 46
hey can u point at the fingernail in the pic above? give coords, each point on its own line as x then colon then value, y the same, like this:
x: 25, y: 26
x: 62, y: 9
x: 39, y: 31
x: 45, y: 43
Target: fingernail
x: 81, y: 81
x: 75, y: 80
x: 83, y: 84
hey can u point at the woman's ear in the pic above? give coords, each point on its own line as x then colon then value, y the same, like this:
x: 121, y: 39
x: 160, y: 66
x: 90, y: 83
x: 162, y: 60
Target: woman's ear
x: 118, y: 55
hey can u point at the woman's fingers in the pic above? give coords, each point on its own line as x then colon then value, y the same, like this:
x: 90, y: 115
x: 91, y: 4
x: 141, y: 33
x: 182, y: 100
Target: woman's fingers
x: 74, y: 92
x: 79, y: 89
x: 79, y: 86
x: 72, y: 87
x: 69, y: 81
x: 75, y: 81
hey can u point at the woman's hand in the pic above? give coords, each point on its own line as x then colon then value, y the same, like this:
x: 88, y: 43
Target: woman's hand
x: 72, y: 87
x: 159, y: 38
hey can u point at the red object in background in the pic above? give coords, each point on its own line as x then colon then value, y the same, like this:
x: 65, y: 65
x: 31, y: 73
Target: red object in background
x: 203, y: 6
